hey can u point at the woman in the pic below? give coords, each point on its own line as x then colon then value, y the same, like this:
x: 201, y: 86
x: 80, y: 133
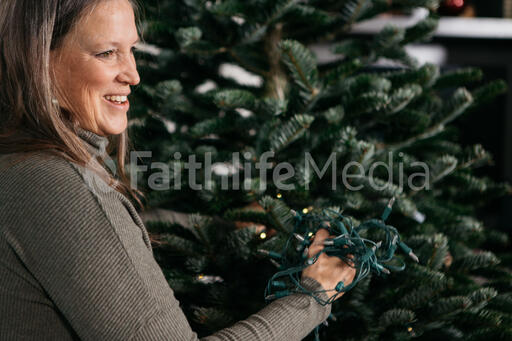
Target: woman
x: 75, y: 262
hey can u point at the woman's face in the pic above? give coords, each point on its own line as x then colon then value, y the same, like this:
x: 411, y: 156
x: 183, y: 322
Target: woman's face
x: 95, y: 67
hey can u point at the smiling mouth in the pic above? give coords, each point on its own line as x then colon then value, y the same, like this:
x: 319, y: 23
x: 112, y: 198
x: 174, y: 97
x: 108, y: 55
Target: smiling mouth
x: 116, y: 99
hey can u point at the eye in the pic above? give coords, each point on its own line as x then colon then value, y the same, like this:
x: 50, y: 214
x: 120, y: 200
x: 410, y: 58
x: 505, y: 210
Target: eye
x: 105, y: 54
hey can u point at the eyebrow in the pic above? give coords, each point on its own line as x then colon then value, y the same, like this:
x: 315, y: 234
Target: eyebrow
x: 115, y: 43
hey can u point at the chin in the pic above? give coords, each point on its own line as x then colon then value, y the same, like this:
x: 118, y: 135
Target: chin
x: 114, y: 127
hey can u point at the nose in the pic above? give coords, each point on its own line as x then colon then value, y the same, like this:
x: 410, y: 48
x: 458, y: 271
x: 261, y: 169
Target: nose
x: 128, y: 73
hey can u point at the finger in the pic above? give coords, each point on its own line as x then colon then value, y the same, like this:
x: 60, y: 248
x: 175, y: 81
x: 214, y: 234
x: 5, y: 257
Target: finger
x: 314, y: 249
x: 350, y: 257
x: 320, y: 235
x: 318, y: 240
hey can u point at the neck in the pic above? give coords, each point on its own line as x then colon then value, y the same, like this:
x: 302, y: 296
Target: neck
x: 97, y: 143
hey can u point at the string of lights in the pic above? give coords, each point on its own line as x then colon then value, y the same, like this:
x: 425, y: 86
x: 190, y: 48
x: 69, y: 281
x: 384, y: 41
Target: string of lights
x: 348, y: 244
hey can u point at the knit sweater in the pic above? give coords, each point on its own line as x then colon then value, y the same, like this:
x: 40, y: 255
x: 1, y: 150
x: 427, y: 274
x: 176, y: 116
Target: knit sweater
x: 76, y: 263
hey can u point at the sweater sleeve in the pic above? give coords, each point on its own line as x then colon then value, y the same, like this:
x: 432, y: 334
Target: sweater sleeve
x: 86, y: 249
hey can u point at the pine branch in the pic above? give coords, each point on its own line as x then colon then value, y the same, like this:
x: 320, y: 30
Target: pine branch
x: 449, y: 306
x: 235, y: 98
x: 462, y: 99
x: 422, y: 31
x: 349, y: 12
x: 475, y: 261
x: 396, y: 317
x: 245, y: 65
x: 290, y: 131
x: 281, y: 214
x: 458, y: 78
x: 302, y: 65
x: 281, y: 8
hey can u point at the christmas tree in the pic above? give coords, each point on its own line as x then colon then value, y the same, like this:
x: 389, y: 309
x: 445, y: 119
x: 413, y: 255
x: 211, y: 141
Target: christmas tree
x: 294, y: 132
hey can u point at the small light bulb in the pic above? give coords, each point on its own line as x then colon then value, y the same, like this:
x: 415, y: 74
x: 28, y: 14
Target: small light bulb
x: 305, y: 210
x: 310, y: 234
x: 409, y: 329
x: 200, y: 276
x: 279, y: 195
x: 263, y: 235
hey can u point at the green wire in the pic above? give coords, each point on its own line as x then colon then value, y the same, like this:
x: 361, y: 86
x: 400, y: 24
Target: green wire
x: 368, y: 256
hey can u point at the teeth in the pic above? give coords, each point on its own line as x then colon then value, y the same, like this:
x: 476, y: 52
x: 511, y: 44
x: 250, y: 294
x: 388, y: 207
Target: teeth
x: 119, y: 99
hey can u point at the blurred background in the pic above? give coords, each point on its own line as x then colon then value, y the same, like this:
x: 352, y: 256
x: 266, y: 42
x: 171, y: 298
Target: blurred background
x: 470, y: 33
x: 212, y: 58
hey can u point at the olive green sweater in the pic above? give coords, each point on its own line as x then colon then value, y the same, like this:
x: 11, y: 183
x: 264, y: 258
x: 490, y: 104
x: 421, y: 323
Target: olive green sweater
x: 76, y: 264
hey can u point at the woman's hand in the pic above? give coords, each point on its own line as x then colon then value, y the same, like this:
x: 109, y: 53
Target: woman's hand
x: 327, y: 270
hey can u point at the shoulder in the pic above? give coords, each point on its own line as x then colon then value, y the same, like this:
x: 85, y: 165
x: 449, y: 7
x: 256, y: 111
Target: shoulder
x: 40, y: 175
x: 45, y: 195
x: 40, y: 167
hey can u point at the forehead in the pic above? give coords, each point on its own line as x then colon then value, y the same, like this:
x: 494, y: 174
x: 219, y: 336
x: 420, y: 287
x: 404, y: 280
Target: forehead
x: 109, y: 20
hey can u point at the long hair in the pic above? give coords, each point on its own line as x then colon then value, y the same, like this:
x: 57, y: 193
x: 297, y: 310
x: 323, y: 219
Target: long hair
x: 29, y: 120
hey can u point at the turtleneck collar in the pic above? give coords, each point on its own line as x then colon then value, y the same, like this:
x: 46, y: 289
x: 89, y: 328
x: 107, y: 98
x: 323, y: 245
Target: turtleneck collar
x: 97, y: 142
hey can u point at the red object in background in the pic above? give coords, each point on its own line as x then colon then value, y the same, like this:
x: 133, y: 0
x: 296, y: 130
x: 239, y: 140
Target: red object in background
x: 452, y: 7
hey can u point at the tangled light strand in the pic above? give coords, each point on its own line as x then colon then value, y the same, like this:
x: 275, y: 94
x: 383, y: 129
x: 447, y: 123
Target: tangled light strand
x: 364, y: 255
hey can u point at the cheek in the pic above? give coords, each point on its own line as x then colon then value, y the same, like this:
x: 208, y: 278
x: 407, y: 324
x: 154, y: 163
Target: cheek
x: 94, y: 78
x: 83, y: 78
x: 83, y: 83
